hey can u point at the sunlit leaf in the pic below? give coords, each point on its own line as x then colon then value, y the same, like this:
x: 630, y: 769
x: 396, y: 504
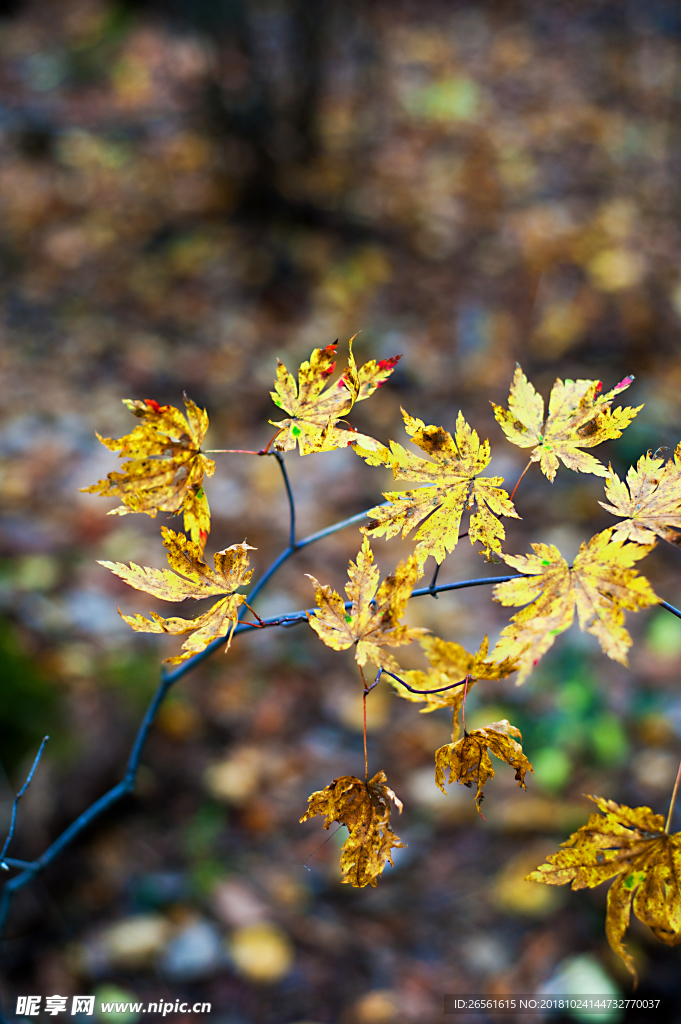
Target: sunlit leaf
x: 630, y: 845
x: 601, y: 585
x: 191, y: 578
x: 364, y: 807
x: 650, y: 499
x: 314, y: 409
x: 469, y: 762
x: 373, y: 620
x: 452, y: 487
x: 165, y: 467
x: 579, y: 417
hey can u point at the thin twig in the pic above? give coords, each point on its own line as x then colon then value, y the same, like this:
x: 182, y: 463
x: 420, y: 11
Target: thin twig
x: 291, y: 503
x: 673, y: 800
x: 411, y: 689
x: 4, y: 866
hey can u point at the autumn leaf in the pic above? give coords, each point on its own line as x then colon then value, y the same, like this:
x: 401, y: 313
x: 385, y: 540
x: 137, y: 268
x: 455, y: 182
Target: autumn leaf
x: 650, y: 499
x: 601, y: 585
x: 364, y: 808
x: 314, y: 409
x: 452, y: 487
x: 579, y: 417
x: 373, y: 620
x: 629, y: 844
x: 449, y: 663
x: 166, y: 468
x: 191, y: 578
x: 469, y: 762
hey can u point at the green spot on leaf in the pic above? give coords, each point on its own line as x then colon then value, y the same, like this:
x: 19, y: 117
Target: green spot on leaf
x: 296, y: 431
x: 545, y: 561
x: 348, y: 618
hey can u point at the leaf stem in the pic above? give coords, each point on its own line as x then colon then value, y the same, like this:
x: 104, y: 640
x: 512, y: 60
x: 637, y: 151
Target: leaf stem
x: 364, y: 710
x: 673, y: 800
x: 520, y: 478
x: 463, y: 706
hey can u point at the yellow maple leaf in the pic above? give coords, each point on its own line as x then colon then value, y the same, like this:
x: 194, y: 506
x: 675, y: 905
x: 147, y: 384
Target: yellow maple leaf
x: 631, y: 845
x: 449, y: 663
x: 469, y: 762
x: 650, y: 499
x: 373, y: 621
x: 166, y: 467
x: 452, y: 486
x: 191, y: 578
x: 314, y: 409
x: 601, y: 585
x: 364, y: 807
x: 579, y: 417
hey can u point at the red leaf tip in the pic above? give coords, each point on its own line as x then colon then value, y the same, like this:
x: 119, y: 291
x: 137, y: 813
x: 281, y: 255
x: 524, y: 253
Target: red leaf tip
x: 387, y: 364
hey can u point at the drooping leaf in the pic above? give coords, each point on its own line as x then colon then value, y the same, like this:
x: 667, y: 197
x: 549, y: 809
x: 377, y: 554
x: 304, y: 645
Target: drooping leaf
x: 314, y: 408
x: 364, y: 808
x: 373, y: 622
x: 630, y: 845
x: 601, y: 585
x: 579, y: 417
x: 650, y: 499
x: 449, y: 663
x: 166, y: 468
x: 189, y: 576
x: 453, y: 486
x: 469, y: 762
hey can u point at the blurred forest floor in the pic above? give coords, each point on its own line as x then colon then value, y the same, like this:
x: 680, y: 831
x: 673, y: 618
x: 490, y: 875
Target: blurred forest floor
x: 188, y: 191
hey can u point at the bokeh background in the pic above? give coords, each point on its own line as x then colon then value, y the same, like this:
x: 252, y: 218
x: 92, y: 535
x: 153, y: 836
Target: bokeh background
x: 188, y: 191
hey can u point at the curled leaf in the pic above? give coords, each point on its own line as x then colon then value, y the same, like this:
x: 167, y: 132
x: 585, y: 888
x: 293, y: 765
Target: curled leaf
x: 579, y: 417
x: 452, y: 487
x: 469, y: 762
x: 650, y: 499
x: 166, y: 467
x: 601, y: 585
x: 630, y: 845
x: 314, y: 409
x: 373, y: 620
x: 364, y: 808
x: 191, y: 578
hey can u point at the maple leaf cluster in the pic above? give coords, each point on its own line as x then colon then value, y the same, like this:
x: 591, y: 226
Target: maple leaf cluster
x: 165, y: 470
